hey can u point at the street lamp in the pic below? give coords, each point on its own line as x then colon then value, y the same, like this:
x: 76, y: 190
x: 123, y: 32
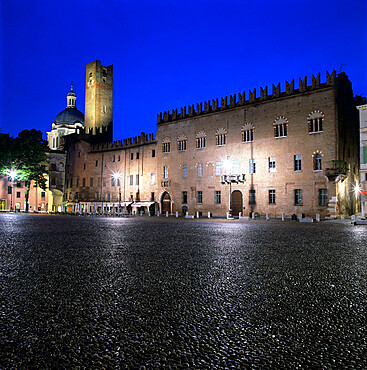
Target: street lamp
x: 12, y: 175
x: 117, y: 177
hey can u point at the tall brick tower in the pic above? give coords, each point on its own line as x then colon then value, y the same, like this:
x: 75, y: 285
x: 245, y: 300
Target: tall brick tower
x: 98, y: 100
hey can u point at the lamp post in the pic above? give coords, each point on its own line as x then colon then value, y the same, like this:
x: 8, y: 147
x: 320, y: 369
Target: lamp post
x: 117, y: 177
x: 12, y: 175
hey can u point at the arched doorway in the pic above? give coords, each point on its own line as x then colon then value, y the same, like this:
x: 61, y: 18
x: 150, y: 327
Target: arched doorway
x: 184, y: 210
x: 236, y: 202
x: 166, y: 203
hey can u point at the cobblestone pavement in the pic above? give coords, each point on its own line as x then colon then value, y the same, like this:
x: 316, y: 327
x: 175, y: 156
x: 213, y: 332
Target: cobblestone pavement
x: 164, y: 293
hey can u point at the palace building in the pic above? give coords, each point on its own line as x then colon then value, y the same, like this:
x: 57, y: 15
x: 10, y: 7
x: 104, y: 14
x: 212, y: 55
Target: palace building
x: 294, y: 151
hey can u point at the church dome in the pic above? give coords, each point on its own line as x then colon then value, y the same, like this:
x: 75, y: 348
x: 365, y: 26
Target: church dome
x: 69, y: 116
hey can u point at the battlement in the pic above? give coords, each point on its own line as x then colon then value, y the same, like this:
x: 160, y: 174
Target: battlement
x: 131, y: 142
x: 207, y: 107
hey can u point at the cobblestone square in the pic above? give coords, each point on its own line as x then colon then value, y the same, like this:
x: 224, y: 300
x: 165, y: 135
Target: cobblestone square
x: 84, y: 292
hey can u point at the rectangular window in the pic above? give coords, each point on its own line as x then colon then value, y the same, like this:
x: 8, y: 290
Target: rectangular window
x: 131, y: 156
x: 71, y: 183
x: 200, y: 142
x: 137, y: 196
x: 184, y: 168
x: 104, y: 182
x: 118, y: 158
x: 152, y: 178
x: 53, y: 167
x: 365, y: 154
x: 43, y: 194
x: 112, y: 181
x: 53, y: 181
x: 9, y: 190
x: 200, y: 197
x: 131, y: 180
x: 236, y: 167
x: 271, y: 196
x: 118, y: 182
x: 252, y: 196
x: 248, y: 136
x: 221, y: 139
x: 91, y: 182
x: 77, y: 182
x: 84, y: 182
x: 153, y: 153
x: 322, y: 197
x: 280, y: 130
x: 315, y: 125
x: 298, y: 197
x: 181, y: 145
x: 272, y: 164
x: 96, y: 163
x: 217, y: 197
x: 297, y: 162
x: 218, y: 167
x: 137, y: 155
x: 18, y: 194
x: 166, y: 147
x: 137, y: 180
x: 184, y: 197
x: 113, y: 158
x: 165, y: 172
x: 252, y: 165
x: 152, y: 196
x: 200, y: 170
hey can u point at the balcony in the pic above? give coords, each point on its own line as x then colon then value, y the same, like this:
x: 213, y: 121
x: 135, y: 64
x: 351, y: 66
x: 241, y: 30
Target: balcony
x: 227, y: 179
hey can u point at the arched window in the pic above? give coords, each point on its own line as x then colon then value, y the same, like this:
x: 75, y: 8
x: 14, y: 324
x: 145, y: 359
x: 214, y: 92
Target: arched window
x: 247, y: 133
x: 280, y: 127
x: 317, y: 160
x: 220, y: 137
x: 166, y: 145
x: 181, y: 143
x: 315, y: 122
x: 200, y: 140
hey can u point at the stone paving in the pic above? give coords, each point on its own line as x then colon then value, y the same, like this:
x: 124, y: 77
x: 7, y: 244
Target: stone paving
x: 144, y: 293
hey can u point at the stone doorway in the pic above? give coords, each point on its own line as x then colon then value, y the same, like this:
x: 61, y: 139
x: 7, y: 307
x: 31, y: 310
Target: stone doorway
x: 166, y: 203
x: 236, y: 202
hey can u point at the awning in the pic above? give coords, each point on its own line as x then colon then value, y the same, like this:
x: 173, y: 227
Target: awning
x: 143, y: 204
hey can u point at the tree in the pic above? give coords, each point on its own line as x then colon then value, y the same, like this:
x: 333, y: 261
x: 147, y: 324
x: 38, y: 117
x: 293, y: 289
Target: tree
x: 27, y: 155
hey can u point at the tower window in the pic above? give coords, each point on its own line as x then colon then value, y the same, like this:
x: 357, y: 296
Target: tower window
x: 90, y: 74
x: 104, y: 72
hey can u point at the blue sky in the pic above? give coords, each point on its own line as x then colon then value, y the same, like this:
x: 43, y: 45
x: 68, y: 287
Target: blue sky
x: 168, y: 54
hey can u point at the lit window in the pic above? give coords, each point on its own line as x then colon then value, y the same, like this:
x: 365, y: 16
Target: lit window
x: 297, y: 162
x: 322, y: 197
x: 252, y: 196
x: 315, y: 122
x: 272, y: 164
x: 200, y: 170
x: 317, y: 164
x: 217, y: 197
x: 200, y: 197
x: 184, y: 168
x: 165, y: 172
x: 271, y: 196
x: 280, y: 127
x: 252, y: 166
x: 298, y: 197
x: 218, y: 167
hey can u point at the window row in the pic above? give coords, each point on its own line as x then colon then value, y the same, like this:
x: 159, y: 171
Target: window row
x: 280, y: 125
x: 298, y: 200
x: 234, y: 166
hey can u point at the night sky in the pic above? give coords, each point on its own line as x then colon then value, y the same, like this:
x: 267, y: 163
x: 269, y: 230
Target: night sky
x: 167, y: 54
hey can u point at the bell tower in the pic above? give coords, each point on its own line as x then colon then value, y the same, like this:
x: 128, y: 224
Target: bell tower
x: 98, y: 100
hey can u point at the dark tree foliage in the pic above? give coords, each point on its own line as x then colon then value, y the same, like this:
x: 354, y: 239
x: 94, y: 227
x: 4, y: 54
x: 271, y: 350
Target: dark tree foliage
x: 26, y: 154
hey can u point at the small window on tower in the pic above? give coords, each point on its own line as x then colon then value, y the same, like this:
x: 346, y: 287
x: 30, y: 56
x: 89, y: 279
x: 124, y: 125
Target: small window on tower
x: 90, y: 74
x: 104, y: 109
x: 104, y: 72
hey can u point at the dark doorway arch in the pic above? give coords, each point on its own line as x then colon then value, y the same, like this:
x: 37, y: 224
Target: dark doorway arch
x: 166, y: 203
x: 236, y: 202
x: 184, y: 210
